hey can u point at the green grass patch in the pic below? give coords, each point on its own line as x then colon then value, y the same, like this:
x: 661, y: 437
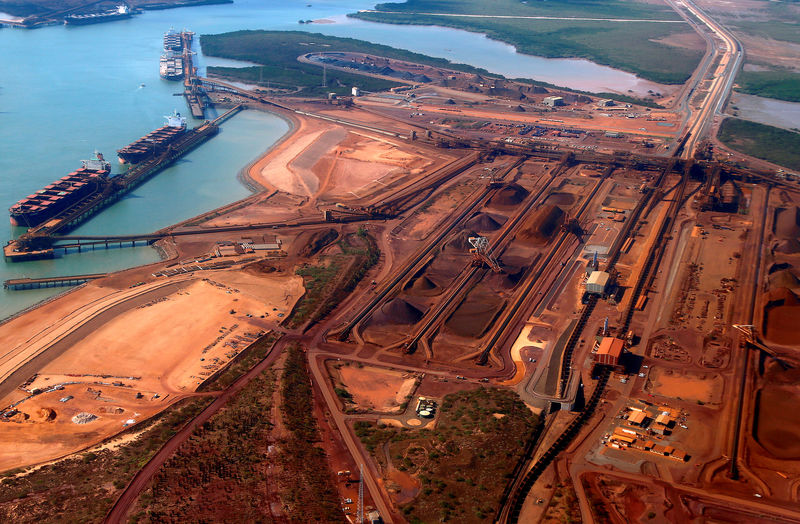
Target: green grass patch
x: 781, y: 85
x: 624, y: 45
x: 277, y: 51
x: 557, y: 8
x: 329, y: 282
x: 307, y: 484
x: 463, y: 464
x: 775, y: 30
x: 761, y: 141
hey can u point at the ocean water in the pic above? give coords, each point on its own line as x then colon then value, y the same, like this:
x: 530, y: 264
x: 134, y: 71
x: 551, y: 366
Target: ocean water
x: 68, y: 91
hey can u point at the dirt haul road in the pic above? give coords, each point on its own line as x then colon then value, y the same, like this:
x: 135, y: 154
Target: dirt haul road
x: 132, y: 491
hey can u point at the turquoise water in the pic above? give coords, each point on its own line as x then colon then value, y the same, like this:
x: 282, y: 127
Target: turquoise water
x: 68, y: 91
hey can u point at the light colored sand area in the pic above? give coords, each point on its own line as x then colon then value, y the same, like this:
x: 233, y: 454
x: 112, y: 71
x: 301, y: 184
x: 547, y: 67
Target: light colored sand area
x: 361, y: 161
x: 44, y: 430
x: 163, y: 343
x: 706, y: 388
x: 376, y: 388
x: 275, y: 168
x: 523, y: 341
x: 32, y: 333
x: 161, y: 348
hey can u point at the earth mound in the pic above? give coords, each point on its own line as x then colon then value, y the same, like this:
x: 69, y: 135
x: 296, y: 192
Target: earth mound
x: 461, y: 241
x: 787, y: 223
x: 788, y: 246
x: 260, y: 266
x: 509, y: 195
x: 397, y: 311
x: 541, y: 225
x: 782, y: 312
x: 83, y: 418
x: 317, y: 241
x: 424, y: 286
x: 46, y: 414
x: 561, y: 199
x: 485, y: 222
x: 509, y: 278
x: 784, y: 278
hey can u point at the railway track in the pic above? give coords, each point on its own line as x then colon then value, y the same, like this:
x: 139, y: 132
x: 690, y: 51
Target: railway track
x: 525, y: 297
x: 410, y: 265
x: 464, y: 282
x: 510, y: 508
x: 510, y: 511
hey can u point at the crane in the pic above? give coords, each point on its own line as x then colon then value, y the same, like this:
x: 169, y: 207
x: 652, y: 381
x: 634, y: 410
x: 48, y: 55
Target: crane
x: 481, y: 255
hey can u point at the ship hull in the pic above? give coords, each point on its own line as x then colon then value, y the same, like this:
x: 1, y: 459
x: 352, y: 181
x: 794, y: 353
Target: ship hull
x: 150, y: 145
x: 98, y: 19
x: 55, y: 198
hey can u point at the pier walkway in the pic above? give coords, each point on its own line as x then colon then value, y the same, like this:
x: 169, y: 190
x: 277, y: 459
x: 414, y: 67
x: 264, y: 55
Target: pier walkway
x: 35, y: 283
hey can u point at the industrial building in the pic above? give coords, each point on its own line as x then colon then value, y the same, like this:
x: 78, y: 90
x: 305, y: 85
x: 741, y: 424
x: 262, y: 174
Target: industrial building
x: 609, y: 351
x: 597, y: 282
x: 553, y: 101
x: 637, y: 418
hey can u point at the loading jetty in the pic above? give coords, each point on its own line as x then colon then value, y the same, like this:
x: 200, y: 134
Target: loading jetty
x: 35, y: 283
x: 193, y: 92
x: 37, y: 242
x: 177, y: 63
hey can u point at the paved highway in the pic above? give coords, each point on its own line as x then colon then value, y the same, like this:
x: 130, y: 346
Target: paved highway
x: 721, y: 78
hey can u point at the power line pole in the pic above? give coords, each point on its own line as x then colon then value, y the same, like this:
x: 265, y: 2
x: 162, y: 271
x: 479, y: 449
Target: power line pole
x: 324, y: 75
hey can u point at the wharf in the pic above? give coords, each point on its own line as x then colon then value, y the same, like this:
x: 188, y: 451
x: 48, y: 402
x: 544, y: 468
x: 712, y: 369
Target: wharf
x: 37, y: 242
x: 193, y: 90
x: 35, y: 283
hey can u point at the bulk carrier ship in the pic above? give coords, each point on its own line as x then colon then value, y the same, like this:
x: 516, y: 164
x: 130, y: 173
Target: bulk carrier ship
x: 61, y: 194
x: 171, y: 65
x: 121, y: 12
x: 154, y: 143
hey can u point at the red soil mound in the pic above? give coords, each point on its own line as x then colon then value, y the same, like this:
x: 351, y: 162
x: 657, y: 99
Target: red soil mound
x: 397, y: 311
x: 778, y: 421
x: 509, y: 195
x: 423, y: 286
x: 782, y: 312
x: 788, y: 246
x: 461, y: 241
x: 787, y: 223
x: 317, y: 241
x: 509, y: 278
x: 474, y: 316
x: 486, y: 222
x: 541, y: 225
x: 561, y: 199
x: 783, y: 278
